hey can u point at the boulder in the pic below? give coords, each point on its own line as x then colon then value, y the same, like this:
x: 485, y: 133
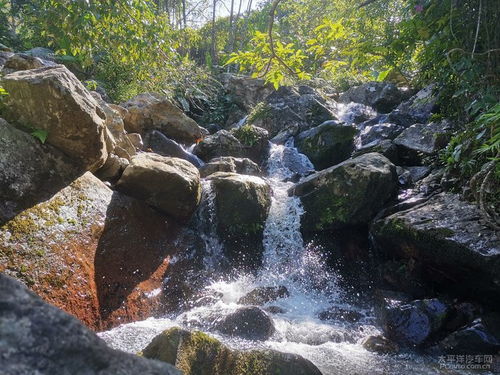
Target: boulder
x: 113, y: 169
x: 171, y: 185
x: 379, y: 132
x: 255, y: 141
x: 53, y: 100
x: 382, y: 96
x: 417, y: 109
x: 348, y: 194
x: 379, y: 344
x: 251, y: 323
x: 38, y: 338
x: 245, y: 142
x: 30, y: 172
x: 92, y: 252
x: 4, y: 56
x: 196, y: 353
x: 384, y: 147
x: 151, y: 111
x: 261, y: 296
x: 230, y: 164
x: 162, y: 145
x: 481, y: 337
x: 422, y: 139
x: 221, y: 143
x: 291, y: 108
x: 242, y: 204
x: 21, y: 61
x: 414, y: 323
x: 450, y: 238
x: 327, y: 144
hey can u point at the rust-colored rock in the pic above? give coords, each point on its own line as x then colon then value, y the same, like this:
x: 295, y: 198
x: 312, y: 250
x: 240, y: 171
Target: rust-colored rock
x: 95, y: 253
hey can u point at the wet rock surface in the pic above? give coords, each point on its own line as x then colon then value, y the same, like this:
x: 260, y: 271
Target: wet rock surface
x: 482, y: 336
x: 241, y: 229
x: 38, y: 338
x: 263, y: 295
x: 250, y: 323
x: 411, y: 324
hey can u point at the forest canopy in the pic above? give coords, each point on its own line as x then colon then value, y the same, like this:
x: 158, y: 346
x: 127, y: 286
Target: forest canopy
x: 178, y: 47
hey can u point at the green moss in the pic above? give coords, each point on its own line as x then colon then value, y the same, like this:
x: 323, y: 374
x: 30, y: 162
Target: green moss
x: 247, y: 135
x: 21, y: 226
x: 332, y: 209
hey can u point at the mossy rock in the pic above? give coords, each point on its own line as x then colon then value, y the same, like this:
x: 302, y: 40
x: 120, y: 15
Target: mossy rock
x: 327, y: 144
x: 242, y: 203
x: 196, y: 353
x: 348, y: 194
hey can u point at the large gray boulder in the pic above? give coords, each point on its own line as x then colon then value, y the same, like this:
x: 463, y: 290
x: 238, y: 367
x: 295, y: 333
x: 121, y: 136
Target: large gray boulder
x: 30, y: 171
x: 291, y: 110
x: 379, y: 132
x: 38, y: 338
x: 347, y: 194
x: 171, y: 185
x: 417, y: 109
x: 381, y: 96
x: 196, y: 353
x: 247, y: 141
x: 53, y: 100
x: 327, y: 144
x: 449, y: 236
x: 150, y: 111
x: 423, y: 140
x: 242, y: 204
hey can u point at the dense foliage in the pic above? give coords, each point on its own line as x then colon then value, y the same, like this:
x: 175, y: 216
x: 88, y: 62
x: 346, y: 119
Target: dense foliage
x: 176, y: 47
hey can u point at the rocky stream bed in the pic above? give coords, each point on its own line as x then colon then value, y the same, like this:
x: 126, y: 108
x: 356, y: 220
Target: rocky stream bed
x: 312, y: 232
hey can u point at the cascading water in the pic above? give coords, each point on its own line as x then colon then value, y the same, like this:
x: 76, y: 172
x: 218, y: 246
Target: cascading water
x: 334, y: 346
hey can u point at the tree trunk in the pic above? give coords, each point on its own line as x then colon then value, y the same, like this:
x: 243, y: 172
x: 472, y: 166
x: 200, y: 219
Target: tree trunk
x: 213, y: 47
x: 184, y: 18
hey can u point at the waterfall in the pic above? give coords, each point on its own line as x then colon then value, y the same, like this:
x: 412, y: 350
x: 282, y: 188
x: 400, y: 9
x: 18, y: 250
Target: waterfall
x: 207, y: 227
x: 332, y: 345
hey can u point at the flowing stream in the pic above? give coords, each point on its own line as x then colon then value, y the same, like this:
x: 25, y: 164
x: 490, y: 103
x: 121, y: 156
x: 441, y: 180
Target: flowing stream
x: 333, y: 345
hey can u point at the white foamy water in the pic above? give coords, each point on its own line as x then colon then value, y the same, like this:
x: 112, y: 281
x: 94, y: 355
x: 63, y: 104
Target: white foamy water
x: 333, y: 346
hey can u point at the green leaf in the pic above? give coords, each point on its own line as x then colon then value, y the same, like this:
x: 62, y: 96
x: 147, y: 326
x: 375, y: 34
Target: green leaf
x: 40, y: 134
